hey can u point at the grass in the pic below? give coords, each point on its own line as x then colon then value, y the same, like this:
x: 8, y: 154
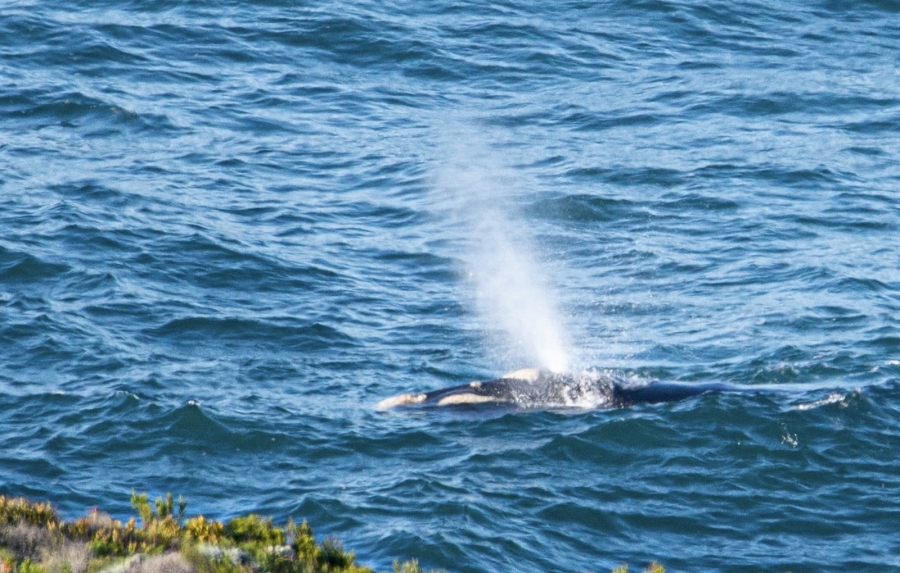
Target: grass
x: 33, y: 539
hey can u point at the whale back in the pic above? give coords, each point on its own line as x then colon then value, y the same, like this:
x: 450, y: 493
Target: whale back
x: 527, y: 388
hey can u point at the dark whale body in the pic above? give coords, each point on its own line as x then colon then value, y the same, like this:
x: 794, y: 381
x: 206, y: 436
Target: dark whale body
x: 533, y: 388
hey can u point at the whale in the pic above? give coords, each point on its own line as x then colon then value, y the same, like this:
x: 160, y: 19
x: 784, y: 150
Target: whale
x: 533, y: 388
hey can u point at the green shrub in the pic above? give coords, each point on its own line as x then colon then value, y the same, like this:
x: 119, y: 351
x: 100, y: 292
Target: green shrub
x: 15, y: 510
x: 29, y: 566
x: 254, y: 530
x: 334, y: 556
x: 202, y: 529
x: 304, y: 543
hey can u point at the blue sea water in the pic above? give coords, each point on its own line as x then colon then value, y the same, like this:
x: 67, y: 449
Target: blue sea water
x: 228, y: 229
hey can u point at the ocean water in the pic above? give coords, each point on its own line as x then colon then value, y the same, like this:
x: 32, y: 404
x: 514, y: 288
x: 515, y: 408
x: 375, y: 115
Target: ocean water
x: 227, y: 230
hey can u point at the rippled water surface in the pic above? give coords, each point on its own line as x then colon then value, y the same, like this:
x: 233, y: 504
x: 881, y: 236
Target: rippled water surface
x: 227, y: 230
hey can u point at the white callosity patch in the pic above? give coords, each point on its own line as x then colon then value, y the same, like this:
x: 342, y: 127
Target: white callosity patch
x: 465, y: 398
x: 526, y: 374
x: 401, y: 400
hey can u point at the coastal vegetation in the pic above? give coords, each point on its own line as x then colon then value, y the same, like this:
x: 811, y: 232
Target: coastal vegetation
x: 33, y: 539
